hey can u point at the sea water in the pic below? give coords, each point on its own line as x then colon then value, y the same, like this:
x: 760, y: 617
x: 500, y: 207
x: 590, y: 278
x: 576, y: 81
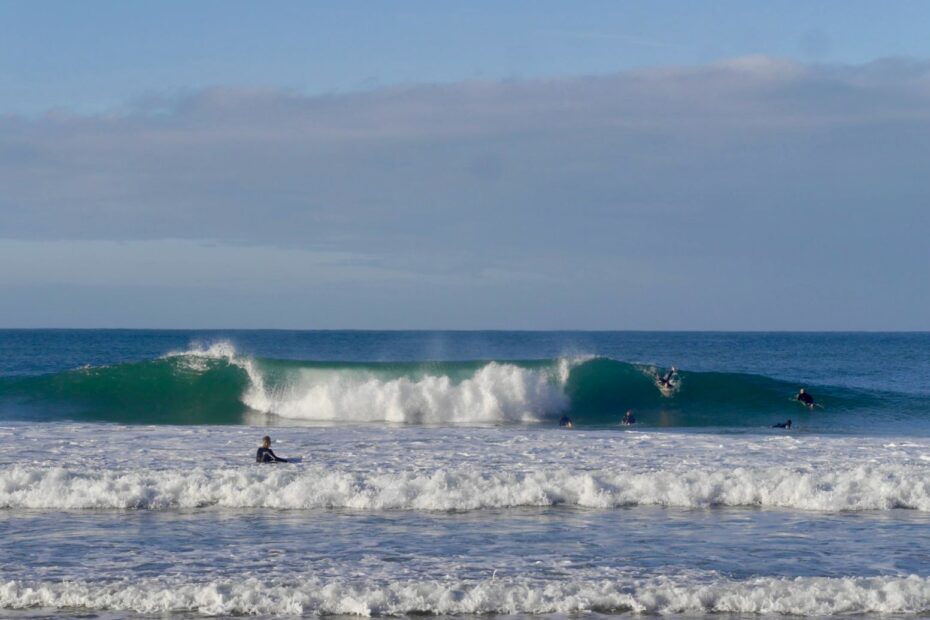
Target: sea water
x: 434, y: 478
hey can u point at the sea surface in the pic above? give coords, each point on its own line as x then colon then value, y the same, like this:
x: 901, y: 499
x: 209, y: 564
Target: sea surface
x: 434, y: 479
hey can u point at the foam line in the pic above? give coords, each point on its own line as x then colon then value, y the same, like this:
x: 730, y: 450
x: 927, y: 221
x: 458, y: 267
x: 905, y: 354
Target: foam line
x: 297, y: 487
x: 306, y: 594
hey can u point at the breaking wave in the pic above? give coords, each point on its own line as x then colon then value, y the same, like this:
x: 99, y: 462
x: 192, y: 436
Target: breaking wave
x: 216, y: 385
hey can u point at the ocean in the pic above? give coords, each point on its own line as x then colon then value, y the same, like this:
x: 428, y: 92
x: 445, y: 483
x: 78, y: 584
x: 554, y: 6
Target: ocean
x: 434, y: 479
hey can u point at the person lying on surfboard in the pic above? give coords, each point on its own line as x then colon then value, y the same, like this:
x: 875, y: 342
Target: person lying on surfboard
x: 805, y: 399
x: 782, y: 424
x: 265, y: 455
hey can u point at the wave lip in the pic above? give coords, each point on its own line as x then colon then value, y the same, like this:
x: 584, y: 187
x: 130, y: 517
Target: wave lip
x: 306, y: 594
x: 868, y: 487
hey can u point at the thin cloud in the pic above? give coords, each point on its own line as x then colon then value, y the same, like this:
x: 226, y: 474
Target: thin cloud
x: 742, y: 175
x: 271, y: 165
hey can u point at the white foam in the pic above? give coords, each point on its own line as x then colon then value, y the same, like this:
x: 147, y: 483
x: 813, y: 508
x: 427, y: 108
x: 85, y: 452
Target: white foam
x: 455, y: 489
x: 87, y: 466
x: 307, y: 594
x: 495, y: 393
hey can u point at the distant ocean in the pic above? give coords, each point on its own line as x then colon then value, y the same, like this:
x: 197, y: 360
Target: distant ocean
x: 434, y: 478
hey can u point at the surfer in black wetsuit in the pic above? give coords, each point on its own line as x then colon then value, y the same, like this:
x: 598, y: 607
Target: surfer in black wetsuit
x: 667, y: 380
x: 265, y: 455
x: 805, y: 399
x: 566, y: 422
x: 628, y: 418
x: 782, y: 424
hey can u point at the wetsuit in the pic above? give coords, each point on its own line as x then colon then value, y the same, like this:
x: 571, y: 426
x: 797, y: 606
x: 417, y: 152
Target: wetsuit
x: 265, y: 455
x: 806, y: 399
x: 782, y: 424
x: 565, y: 421
x: 667, y: 378
x: 629, y: 419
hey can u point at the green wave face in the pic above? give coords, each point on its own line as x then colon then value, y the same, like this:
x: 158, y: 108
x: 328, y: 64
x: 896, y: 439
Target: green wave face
x: 196, y: 389
x: 163, y: 391
x: 601, y: 387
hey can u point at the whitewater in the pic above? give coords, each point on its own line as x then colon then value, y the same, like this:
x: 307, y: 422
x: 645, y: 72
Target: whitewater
x: 602, y: 592
x: 447, y: 469
x: 433, y: 478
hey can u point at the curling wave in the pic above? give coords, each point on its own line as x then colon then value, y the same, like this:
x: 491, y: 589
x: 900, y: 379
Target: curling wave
x: 216, y: 385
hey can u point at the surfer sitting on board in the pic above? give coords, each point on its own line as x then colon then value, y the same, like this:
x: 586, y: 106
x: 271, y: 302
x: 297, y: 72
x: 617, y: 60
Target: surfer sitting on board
x: 782, y: 424
x: 628, y: 418
x: 805, y: 399
x: 566, y: 422
x: 265, y: 455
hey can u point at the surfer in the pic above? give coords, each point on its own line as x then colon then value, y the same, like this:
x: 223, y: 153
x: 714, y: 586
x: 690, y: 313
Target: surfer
x: 782, y: 424
x: 566, y: 422
x: 667, y: 380
x: 805, y: 399
x: 628, y: 418
x: 265, y: 455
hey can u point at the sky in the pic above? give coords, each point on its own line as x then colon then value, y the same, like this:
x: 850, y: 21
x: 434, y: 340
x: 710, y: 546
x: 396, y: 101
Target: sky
x: 483, y: 165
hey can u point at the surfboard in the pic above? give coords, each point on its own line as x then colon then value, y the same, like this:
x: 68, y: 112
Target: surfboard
x: 811, y: 407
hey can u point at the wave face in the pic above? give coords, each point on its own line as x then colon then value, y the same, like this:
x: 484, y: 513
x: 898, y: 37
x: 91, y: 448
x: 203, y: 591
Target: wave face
x: 605, y: 593
x: 215, y: 385
x: 199, y: 386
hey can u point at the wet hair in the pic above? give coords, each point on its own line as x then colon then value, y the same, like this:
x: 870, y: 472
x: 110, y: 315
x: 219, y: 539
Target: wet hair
x: 266, y: 438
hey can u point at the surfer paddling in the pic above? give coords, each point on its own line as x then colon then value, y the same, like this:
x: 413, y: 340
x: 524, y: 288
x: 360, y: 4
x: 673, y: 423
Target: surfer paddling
x: 805, y: 399
x: 628, y: 418
x: 265, y: 454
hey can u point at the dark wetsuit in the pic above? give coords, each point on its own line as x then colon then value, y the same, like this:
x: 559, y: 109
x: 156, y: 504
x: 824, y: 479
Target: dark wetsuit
x: 629, y: 419
x: 805, y: 399
x: 265, y: 455
x: 565, y: 421
x: 667, y: 378
x: 782, y: 424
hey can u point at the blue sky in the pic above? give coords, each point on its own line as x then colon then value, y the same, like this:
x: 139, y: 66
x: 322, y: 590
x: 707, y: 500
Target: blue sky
x: 537, y: 165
